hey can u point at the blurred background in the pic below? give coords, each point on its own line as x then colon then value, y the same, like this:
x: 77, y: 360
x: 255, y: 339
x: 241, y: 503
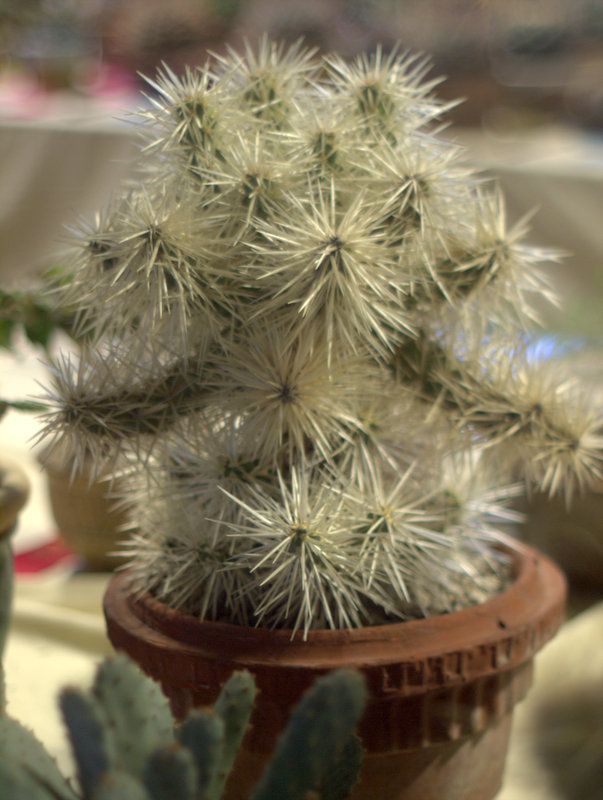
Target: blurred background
x: 526, y: 61
x: 516, y: 62
x: 530, y: 75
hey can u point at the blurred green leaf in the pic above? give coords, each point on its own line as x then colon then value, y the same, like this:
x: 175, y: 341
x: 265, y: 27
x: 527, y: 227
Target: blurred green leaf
x: 35, y: 312
x: 24, y: 405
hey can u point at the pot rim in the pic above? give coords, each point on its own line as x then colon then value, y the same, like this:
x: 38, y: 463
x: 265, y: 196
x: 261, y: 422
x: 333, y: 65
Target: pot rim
x: 508, y: 628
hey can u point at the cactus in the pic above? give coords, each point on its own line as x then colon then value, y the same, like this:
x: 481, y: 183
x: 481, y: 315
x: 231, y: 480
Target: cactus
x: 307, y: 350
x: 171, y: 774
x: 6, y: 594
x: 14, y: 491
x: 91, y: 743
x: 233, y: 707
x: 124, y: 752
x: 27, y: 772
x: 319, y: 730
x: 203, y: 735
x: 135, y: 712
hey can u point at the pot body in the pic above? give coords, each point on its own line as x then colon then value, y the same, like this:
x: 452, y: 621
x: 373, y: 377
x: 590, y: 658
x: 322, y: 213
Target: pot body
x: 441, y: 690
x: 84, y: 513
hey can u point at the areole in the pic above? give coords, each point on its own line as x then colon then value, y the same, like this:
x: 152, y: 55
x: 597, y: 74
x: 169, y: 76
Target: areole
x: 441, y: 690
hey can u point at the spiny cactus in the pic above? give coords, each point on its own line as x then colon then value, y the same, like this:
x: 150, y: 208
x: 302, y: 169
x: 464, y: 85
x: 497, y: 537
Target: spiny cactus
x: 126, y: 747
x: 308, y: 349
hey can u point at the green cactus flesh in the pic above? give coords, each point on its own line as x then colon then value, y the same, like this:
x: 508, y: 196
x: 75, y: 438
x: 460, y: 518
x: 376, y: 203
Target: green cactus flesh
x: 6, y: 593
x: 90, y: 740
x: 26, y: 769
x: 119, y: 786
x: 171, y: 774
x: 202, y: 733
x: 340, y: 778
x: 137, y: 715
x: 234, y: 707
x: 126, y: 748
x: 317, y: 732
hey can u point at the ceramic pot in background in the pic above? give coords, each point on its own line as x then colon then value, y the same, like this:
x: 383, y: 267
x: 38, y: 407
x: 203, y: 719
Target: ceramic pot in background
x: 580, y: 554
x: 84, y: 513
x: 441, y: 690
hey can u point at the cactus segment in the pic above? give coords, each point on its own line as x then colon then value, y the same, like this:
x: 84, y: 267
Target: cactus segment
x: 318, y: 730
x: 234, y: 707
x: 16, y: 784
x: 137, y: 715
x: 171, y: 774
x: 6, y: 594
x: 90, y: 742
x: 119, y: 786
x: 342, y: 776
x: 25, y: 766
x: 202, y: 733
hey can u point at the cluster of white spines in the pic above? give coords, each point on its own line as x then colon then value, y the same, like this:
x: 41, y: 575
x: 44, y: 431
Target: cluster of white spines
x: 289, y: 314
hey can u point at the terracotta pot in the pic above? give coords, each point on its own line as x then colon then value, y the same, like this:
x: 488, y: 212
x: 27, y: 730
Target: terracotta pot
x: 441, y: 690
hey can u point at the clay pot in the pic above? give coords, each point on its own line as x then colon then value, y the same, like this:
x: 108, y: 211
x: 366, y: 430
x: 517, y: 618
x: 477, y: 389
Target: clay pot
x: 547, y: 522
x: 84, y: 513
x: 441, y: 690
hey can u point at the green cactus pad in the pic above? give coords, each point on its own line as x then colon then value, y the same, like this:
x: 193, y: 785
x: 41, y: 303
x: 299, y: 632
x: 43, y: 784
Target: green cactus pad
x: 26, y: 769
x: 119, y: 786
x: 234, y: 707
x: 202, y: 734
x: 341, y: 777
x: 90, y: 742
x: 319, y: 729
x: 171, y: 774
x: 137, y: 715
x: 6, y: 594
x: 18, y: 785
